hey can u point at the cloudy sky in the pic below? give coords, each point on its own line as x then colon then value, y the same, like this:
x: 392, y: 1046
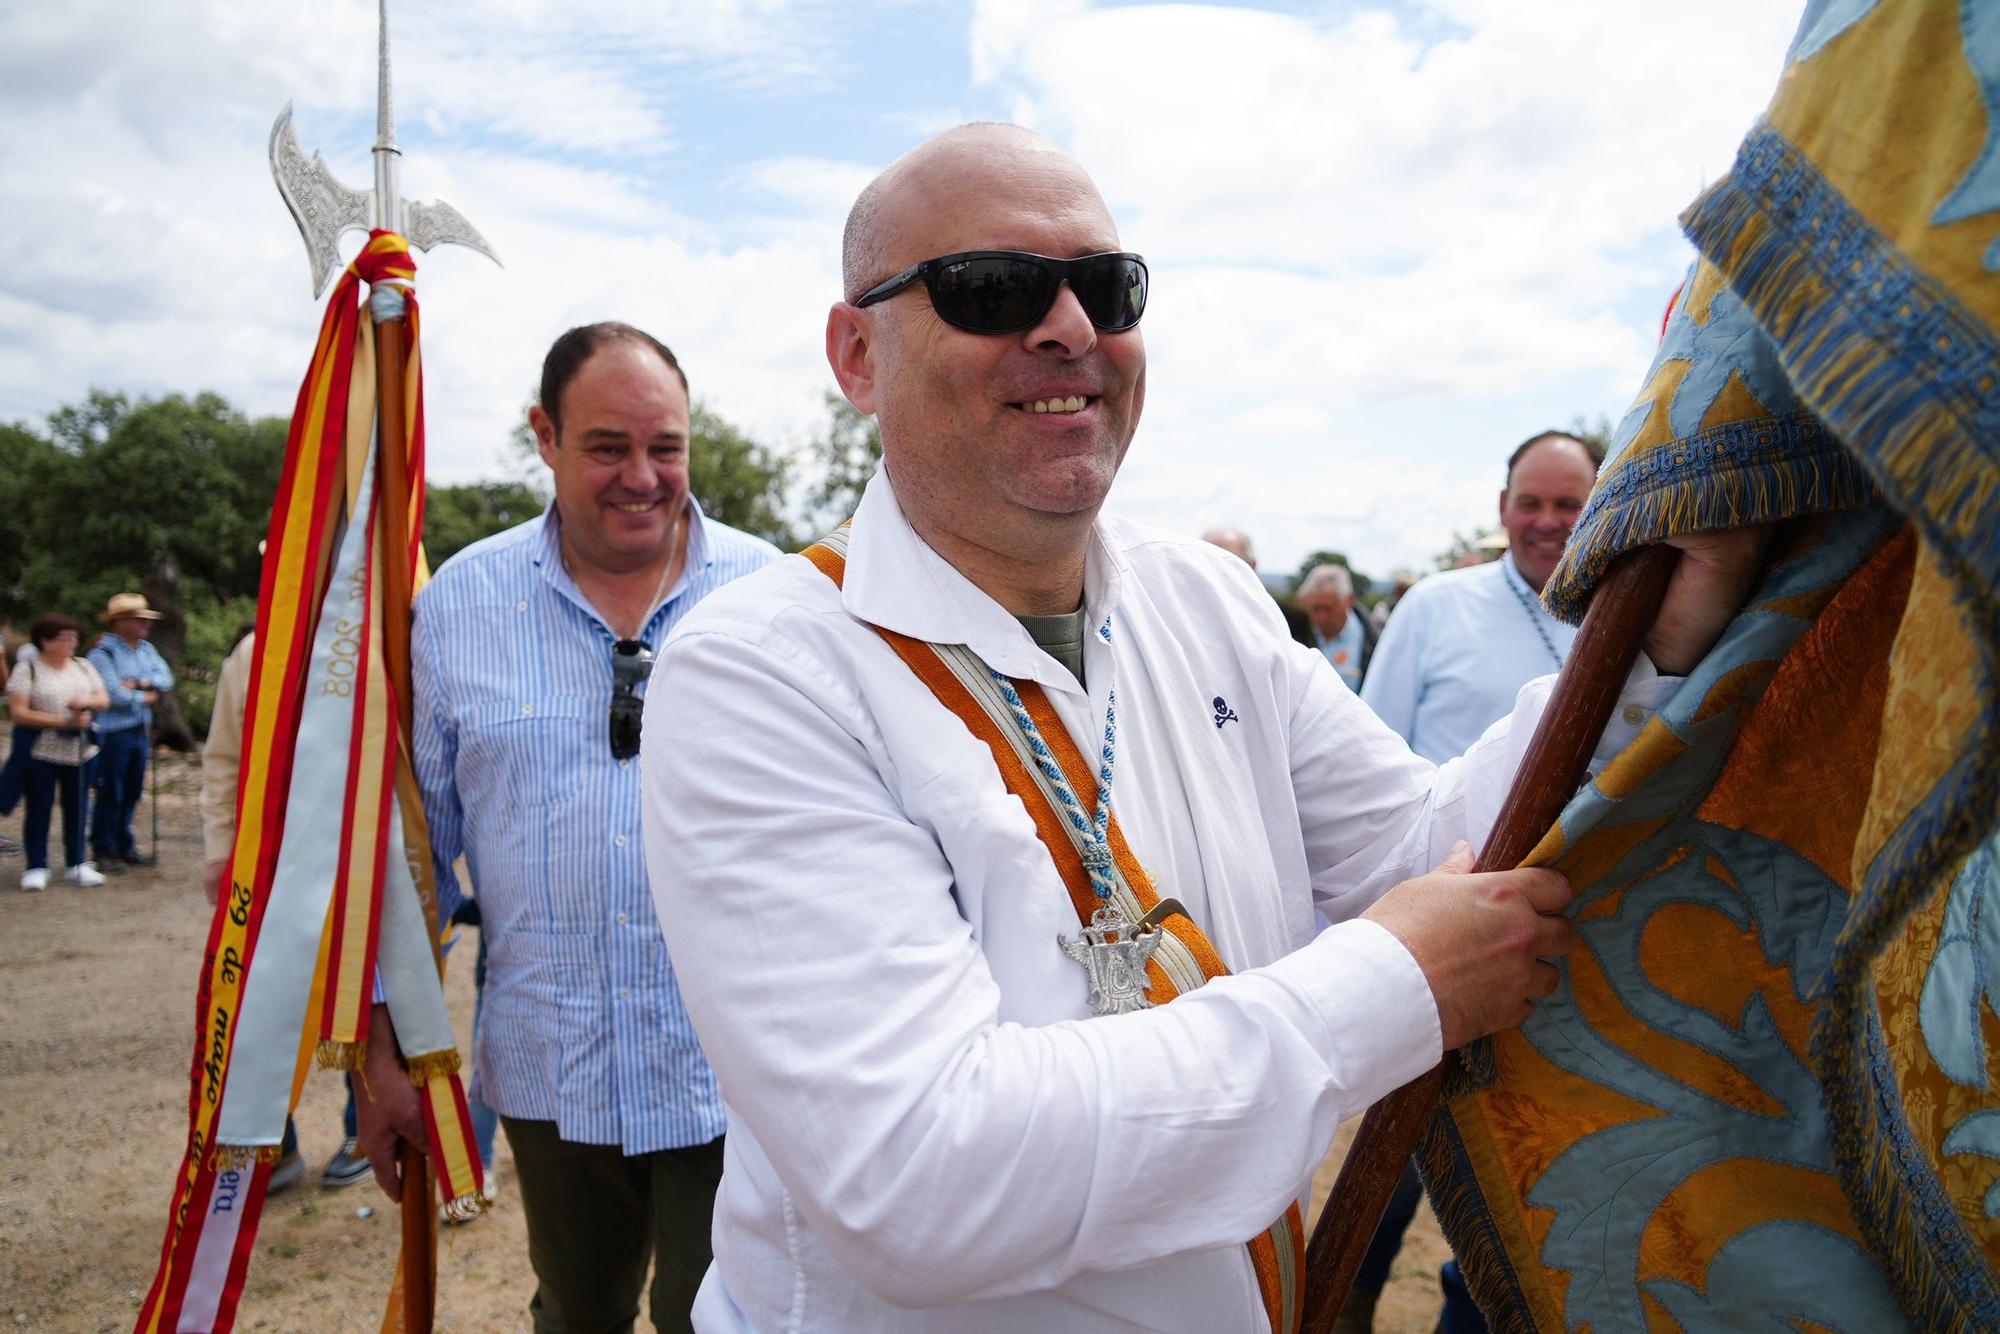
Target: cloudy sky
x: 1388, y: 239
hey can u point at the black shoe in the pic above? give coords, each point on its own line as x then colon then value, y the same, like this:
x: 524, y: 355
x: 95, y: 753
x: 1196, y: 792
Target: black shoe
x: 110, y: 863
x: 137, y: 858
x: 346, y: 1167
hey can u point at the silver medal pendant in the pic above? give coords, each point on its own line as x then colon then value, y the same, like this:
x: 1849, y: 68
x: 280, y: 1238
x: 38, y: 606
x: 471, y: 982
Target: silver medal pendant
x: 1113, y: 953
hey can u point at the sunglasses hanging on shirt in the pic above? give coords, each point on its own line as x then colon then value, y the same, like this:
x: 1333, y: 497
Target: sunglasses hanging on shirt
x: 631, y: 664
x: 1007, y: 291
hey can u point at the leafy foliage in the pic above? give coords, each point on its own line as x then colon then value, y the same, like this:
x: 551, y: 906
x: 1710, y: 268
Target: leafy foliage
x: 845, y: 455
x: 171, y: 497
x: 738, y: 481
x: 457, y: 516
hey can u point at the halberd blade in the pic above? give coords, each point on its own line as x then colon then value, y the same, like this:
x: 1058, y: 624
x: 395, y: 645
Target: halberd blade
x: 323, y: 208
x: 434, y: 222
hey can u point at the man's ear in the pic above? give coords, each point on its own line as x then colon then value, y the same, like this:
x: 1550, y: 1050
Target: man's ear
x: 1503, y: 506
x: 850, y: 350
x: 545, y: 433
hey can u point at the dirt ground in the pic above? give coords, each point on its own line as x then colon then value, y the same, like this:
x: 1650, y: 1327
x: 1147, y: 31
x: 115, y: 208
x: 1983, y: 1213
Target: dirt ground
x: 96, y: 1016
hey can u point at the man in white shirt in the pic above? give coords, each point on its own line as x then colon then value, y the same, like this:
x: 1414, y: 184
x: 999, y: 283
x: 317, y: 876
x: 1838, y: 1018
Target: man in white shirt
x: 1462, y: 644
x: 928, y: 1127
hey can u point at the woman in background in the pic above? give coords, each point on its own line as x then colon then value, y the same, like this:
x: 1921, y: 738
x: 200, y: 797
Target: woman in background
x: 57, y: 693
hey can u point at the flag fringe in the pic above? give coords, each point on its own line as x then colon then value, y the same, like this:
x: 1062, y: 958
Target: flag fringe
x: 1880, y: 349
x: 432, y: 1065
x: 1737, y: 473
x: 337, y: 1055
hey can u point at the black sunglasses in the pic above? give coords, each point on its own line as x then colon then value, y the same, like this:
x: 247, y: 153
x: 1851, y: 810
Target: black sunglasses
x: 1006, y: 291
x: 631, y: 663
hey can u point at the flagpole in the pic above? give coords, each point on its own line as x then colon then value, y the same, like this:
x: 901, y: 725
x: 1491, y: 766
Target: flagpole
x: 418, y: 1264
x: 1627, y: 601
x: 419, y: 1258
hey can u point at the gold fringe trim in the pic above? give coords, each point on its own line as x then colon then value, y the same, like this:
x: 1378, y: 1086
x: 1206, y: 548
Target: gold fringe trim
x: 432, y: 1065
x: 332, y: 1054
x: 242, y: 1157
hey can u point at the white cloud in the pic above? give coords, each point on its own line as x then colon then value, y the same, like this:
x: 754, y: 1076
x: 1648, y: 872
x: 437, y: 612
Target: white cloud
x: 1386, y: 243
x: 1375, y: 211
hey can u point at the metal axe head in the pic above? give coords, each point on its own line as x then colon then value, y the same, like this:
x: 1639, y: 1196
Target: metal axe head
x: 325, y: 209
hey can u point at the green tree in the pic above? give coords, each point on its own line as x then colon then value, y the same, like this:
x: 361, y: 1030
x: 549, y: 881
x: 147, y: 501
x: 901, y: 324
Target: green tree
x: 457, y: 516
x: 1363, y: 585
x: 166, y: 496
x: 845, y: 454
x: 737, y: 480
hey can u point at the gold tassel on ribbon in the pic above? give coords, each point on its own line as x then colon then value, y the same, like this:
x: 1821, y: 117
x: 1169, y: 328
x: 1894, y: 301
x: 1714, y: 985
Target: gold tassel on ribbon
x: 432, y: 1065
x: 334, y: 1055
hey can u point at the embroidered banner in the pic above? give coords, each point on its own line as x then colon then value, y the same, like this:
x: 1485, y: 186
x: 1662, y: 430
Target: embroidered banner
x: 1764, y: 1091
x: 320, y: 895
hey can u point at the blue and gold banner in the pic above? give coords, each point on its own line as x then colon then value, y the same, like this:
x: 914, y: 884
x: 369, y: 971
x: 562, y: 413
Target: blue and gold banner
x: 1764, y: 1094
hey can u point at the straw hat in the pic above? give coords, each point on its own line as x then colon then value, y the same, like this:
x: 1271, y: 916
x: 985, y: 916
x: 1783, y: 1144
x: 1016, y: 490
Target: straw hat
x: 129, y: 604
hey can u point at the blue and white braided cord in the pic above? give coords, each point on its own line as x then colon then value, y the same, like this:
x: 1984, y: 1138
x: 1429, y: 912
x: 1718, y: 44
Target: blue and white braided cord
x: 1096, y: 827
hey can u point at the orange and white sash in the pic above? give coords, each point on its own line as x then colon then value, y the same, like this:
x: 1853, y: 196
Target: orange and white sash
x: 1184, y: 959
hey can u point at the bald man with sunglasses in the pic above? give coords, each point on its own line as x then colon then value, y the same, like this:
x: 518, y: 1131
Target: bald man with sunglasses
x: 1004, y: 1051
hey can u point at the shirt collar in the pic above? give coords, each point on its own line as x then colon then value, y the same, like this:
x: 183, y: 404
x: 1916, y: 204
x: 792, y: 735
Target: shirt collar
x: 895, y: 580
x: 548, y: 560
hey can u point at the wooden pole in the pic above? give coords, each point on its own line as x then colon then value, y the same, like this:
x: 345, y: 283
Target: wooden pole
x: 1627, y: 601
x: 392, y: 350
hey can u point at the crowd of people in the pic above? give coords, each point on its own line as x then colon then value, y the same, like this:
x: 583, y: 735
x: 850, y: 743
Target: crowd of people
x: 785, y: 867
x: 81, y: 740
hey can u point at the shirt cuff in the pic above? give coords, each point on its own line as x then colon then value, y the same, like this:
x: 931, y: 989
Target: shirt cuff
x: 1381, y: 1019
x: 1644, y: 694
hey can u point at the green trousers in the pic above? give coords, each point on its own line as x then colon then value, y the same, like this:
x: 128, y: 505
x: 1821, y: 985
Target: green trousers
x: 595, y: 1216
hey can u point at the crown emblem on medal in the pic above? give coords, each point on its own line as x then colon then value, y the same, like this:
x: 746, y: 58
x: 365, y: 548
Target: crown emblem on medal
x: 1114, y: 953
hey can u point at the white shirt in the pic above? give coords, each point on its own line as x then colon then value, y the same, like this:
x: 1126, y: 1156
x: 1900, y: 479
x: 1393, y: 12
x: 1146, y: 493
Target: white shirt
x: 1456, y: 651
x: 927, y: 1130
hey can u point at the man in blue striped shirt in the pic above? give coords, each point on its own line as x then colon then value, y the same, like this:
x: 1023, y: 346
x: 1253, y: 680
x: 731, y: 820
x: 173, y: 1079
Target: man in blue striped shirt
x: 530, y: 656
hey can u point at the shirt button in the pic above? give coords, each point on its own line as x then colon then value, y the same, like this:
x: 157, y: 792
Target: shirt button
x: 1634, y: 714
x: 624, y: 764
x: 527, y: 709
x: 522, y: 605
x: 620, y: 840
x: 621, y: 919
x: 624, y: 993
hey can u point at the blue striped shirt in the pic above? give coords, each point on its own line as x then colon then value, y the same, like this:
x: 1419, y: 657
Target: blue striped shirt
x: 582, y: 1021
x: 118, y: 662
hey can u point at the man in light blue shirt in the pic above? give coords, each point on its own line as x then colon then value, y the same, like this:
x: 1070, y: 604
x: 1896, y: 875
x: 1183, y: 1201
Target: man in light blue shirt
x: 1462, y: 644
x: 134, y: 675
x: 530, y: 654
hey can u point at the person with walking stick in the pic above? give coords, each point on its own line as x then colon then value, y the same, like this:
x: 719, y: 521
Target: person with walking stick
x: 134, y: 674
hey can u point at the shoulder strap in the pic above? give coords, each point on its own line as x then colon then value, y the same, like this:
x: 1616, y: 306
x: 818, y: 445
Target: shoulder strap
x: 1184, y: 960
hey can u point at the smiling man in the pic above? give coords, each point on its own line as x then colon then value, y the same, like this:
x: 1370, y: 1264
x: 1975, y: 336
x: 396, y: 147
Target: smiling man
x: 1463, y: 643
x: 1002, y: 1052
x: 531, y: 651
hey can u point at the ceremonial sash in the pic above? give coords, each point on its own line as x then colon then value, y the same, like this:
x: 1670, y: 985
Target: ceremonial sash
x: 1184, y: 959
x: 330, y: 853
